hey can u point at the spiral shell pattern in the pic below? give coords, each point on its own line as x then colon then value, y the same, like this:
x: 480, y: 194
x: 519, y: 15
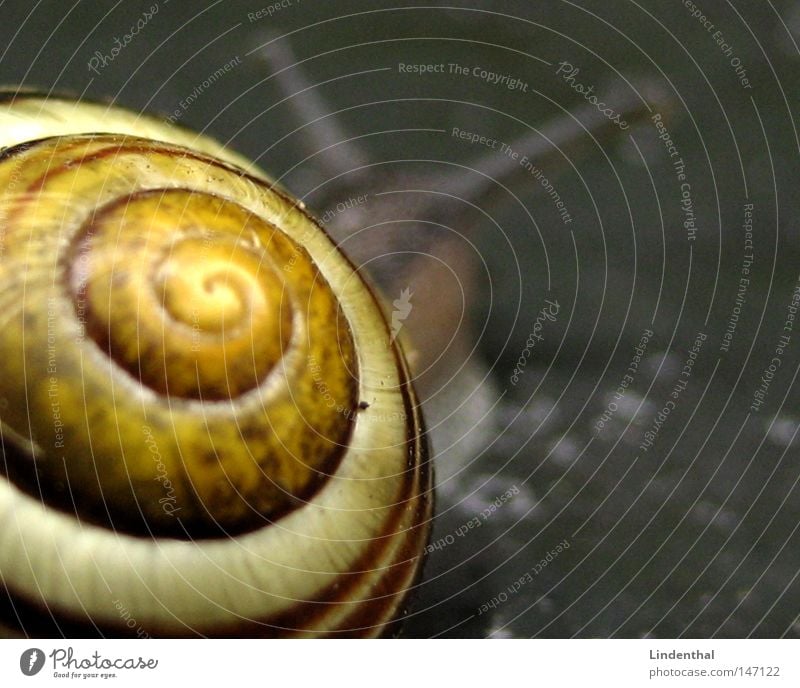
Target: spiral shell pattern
x: 202, y: 416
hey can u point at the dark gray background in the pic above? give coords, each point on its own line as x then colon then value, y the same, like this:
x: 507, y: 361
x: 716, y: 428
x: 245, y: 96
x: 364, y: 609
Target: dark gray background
x: 697, y: 537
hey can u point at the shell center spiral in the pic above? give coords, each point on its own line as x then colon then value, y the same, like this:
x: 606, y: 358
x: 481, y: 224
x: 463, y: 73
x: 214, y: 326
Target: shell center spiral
x: 189, y: 310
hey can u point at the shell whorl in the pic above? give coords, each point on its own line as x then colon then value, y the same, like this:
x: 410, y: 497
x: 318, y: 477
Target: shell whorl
x: 202, y: 416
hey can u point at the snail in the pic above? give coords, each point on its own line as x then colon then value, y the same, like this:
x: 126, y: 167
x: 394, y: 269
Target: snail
x: 207, y: 429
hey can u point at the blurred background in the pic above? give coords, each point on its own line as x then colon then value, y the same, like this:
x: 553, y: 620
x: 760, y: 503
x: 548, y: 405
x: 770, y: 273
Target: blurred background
x: 594, y: 307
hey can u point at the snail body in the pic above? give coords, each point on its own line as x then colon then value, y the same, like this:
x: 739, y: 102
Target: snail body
x: 204, y: 419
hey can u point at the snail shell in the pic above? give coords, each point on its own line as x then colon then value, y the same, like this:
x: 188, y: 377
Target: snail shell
x: 204, y: 421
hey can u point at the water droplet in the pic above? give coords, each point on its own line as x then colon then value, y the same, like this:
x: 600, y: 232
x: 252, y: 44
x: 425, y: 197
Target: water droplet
x: 782, y: 431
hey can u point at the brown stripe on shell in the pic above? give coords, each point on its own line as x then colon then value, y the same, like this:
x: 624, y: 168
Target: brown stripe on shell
x: 390, y: 588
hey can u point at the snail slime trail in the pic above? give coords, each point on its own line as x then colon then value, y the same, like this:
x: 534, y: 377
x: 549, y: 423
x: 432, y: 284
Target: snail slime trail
x: 169, y: 444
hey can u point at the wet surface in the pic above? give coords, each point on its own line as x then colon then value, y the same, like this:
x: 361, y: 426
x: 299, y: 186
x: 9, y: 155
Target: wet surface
x: 654, y: 489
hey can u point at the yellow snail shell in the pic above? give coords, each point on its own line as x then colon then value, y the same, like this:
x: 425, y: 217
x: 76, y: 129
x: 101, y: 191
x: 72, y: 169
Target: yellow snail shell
x: 204, y: 422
